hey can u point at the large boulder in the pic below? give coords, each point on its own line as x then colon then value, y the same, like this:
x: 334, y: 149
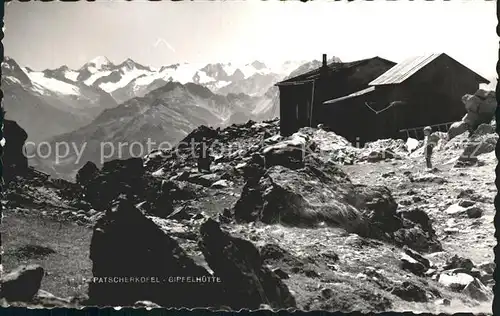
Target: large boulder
x: 246, y: 282
x: 289, y: 153
x: 480, y: 107
x: 87, y: 173
x: 125, y: 243
x: 379, y: 208
x: 119, y: 177
x: 22, y: 284
x: 14, y: 159
x: 171, y: 270
x: 304, y: 197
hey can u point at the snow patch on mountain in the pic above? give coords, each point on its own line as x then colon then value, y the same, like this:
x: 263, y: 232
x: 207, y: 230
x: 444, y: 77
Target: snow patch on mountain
x: 96, y: 75
x: 71, y: 75
x: 53, y: 85
x: 13, y: 79
x: 129, y: 74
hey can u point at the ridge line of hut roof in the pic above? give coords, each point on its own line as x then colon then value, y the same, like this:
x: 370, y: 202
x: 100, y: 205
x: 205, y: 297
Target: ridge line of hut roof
x: 404, y: 70
x: 332, y: 67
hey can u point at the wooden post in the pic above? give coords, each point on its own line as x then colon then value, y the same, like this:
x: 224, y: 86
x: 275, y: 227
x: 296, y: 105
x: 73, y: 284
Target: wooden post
x: 312, y: 105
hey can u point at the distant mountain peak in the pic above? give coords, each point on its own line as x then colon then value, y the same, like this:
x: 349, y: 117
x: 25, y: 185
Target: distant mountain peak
x: 130, y: 64
x: 99, y: 62
x: 258, y: 65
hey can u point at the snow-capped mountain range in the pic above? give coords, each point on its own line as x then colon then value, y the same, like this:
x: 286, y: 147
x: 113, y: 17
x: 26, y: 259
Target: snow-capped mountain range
x: 72, y: 98
x: 130, y: 79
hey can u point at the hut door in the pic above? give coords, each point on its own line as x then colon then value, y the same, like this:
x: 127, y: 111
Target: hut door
x: 303, y: 107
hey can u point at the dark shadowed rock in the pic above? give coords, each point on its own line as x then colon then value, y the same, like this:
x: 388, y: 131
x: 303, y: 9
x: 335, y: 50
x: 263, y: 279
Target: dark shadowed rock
x: 410, y: 292
x: 119, y: 177
x: 478, y: 291
x: 126, y: 243
x: 87, y: 173
x: 418, y: 216
x: 474, y: 212
x: 14, y: 161
x: 411, y: 264
x: 199, y: 134
x: 457, y: 262
x: 466, y: 203
x: 379, y: 208
x: 22, y: 284
x: 237, y: 262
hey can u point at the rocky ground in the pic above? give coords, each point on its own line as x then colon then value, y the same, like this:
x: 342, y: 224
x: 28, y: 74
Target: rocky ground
x: 305, y: 222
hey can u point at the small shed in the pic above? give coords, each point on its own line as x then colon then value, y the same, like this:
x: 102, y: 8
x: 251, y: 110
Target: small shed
x: 302, y: 97
x: 420, y: 91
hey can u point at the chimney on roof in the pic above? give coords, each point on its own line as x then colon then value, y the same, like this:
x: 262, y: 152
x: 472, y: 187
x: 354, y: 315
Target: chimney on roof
x: 324, y: 60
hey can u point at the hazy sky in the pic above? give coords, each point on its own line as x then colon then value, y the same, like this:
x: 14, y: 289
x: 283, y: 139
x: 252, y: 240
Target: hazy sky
x: 47, y: 35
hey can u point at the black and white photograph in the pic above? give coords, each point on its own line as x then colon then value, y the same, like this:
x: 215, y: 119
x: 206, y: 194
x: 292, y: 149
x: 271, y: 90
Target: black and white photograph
x: 330, y: 156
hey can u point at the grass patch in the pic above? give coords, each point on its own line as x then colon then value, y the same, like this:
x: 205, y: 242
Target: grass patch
x: 62, y: 249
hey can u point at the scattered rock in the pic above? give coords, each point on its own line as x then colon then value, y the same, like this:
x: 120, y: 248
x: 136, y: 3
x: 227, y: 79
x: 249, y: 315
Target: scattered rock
x: 410, y: 264
x: 466, y: 203
x: 410, y: 292
x: 220, y: 184
x: 477, y: 290
x: 455, y: 209
x: 457, y: 262
x: 474, y: 212
x: 326, y: 293
x: 146, y: 304
x: 443, y: 301
x: 488, y: 267
x: 281, y: 274
x: 205, y: 180
x: 430, y: 178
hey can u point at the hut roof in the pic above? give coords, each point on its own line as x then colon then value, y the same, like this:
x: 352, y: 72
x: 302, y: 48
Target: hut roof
x: 333, y: 68
x: 351, y: 96
x: 411, y: 66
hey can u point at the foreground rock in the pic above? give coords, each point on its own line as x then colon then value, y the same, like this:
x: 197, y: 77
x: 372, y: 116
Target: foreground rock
x: 14, y: 161
x: 127, y: 243
x: 22, y: 283
x: 245, y: 281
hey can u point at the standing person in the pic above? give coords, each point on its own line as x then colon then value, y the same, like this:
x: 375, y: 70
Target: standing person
x: 428, y: 146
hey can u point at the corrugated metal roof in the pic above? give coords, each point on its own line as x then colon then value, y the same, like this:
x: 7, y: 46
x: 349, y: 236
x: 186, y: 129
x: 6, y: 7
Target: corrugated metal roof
x: 350, y: 96
x: 332, y: 68
x: 404, y: 70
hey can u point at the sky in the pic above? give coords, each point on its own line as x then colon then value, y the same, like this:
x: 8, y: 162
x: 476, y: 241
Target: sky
x: 47, y: 35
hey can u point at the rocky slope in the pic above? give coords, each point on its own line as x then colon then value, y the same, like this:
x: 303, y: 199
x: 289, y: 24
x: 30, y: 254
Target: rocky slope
x: 299, y: 222
x: 161, y: 118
